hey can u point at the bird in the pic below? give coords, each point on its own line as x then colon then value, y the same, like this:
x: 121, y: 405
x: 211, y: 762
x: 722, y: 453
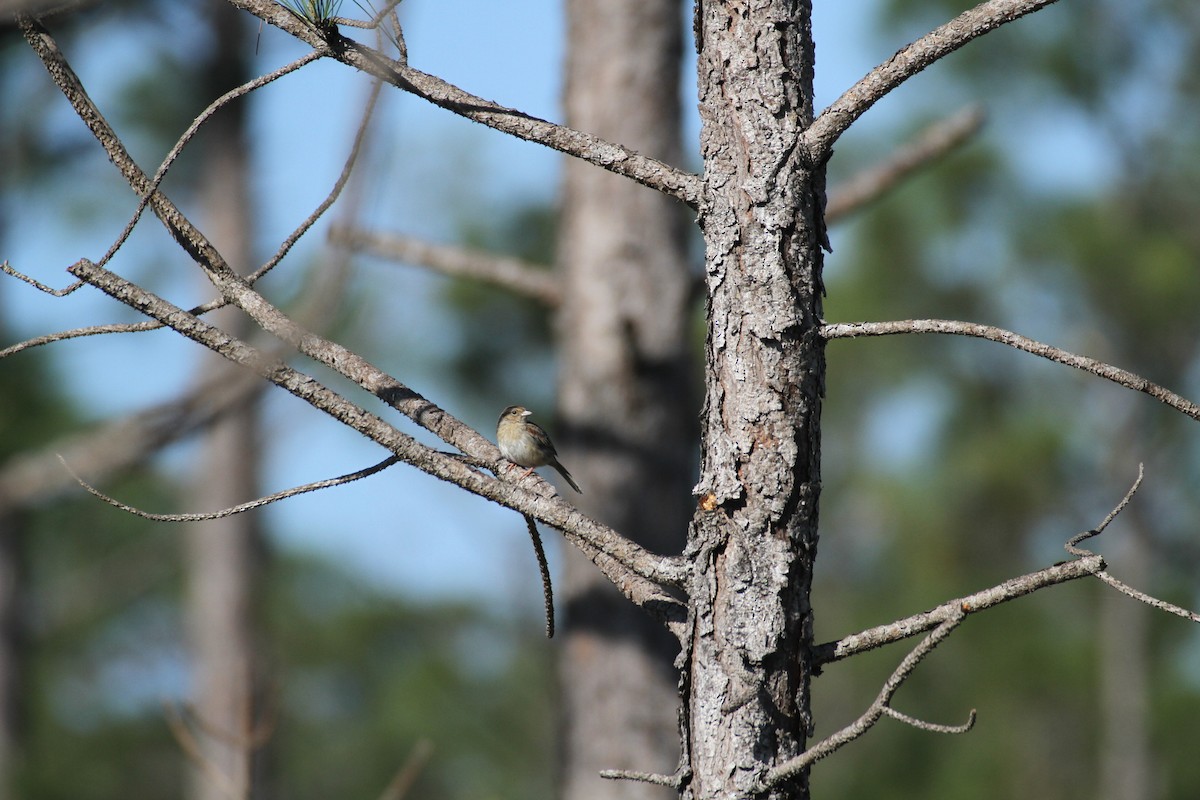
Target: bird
x: 526, y: 444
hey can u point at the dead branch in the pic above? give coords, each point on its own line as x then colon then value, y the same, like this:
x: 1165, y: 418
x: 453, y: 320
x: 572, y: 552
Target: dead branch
x: 907, y: 62
x: 919, y: 623
x: 934, y: 142
x: 864, y: 723
x: 607, y: 155
x: 849, y: 330
x: 637, y: 572
x: 242, y: 507
x: 521, y: 277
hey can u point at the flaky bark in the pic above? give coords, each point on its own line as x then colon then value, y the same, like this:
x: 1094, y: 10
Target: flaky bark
x: 624, y: 395
x: 754, y: 535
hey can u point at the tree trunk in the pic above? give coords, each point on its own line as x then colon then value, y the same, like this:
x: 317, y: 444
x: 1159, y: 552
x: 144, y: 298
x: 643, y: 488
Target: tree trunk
x: 13, y: 686
x: 224, y: 556
x: 626, y: 401
x: 754, y: 535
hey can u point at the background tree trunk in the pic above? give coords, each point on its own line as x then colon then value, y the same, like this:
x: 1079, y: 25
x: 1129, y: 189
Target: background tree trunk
x: 626, y: 394
x: 224, y: 556
x: 753, y: 539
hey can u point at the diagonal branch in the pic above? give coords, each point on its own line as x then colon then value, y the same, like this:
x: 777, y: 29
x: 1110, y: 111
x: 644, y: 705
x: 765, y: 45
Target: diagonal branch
x: 877, y: 709
x: 850, y: 330
x: 638, y: 573
x: 521, y: 277
x: 610, y: 156
x: 874, y: 182
x: 908, y: 61
x: 972, y: 603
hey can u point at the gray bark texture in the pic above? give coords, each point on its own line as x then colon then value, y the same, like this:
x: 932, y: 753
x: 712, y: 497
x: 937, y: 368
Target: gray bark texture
x: 754, y: 534
x: 626, y: 403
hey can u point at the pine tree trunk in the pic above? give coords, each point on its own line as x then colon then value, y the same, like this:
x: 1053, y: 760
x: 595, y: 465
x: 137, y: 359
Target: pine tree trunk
x: 626, y: 401
x: 753, y: 538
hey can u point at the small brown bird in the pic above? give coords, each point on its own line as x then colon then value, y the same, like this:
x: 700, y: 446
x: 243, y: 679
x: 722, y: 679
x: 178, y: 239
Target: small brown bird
x: 525, y: 444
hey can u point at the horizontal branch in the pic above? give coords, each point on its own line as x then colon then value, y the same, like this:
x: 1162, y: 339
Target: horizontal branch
x: 934, y: 142
x: 521, y: 277
x: 850, y: 330
x: 611, y: 156
x: 908, y: 61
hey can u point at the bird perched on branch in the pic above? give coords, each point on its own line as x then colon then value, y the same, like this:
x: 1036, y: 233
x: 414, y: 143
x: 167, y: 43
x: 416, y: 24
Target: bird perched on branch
x: 525, y: 444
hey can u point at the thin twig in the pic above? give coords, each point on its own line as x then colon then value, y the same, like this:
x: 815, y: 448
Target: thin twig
x: 934, y: 142
x: 849, y: 330
x: 544, y: 569
x: 1072, y: 547
x: 864, y: 723
x: 522, y: 277
x: 238, y: 509
x: 190, y: 133
x: 834, y: 120
x: 932, y: 727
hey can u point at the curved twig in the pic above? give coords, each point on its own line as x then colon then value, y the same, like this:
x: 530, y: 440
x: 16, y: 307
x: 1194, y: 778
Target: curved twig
x: 849, y: 330
x: 819, y: 138
x: 240, y: 508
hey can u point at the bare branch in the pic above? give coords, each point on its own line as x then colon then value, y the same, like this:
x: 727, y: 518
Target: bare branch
x: 638, y: 573
x: 522, y: 277
x: 931, y: 726
x: 656, y: 778
x: 76, y: 333
x: 849, y: 330
x: 919, y: 623
x: 908, y: 61
x: 70, y: 87
x: 1071, y: 547
x: 934, y: 142
x: 864, y: 723
x: 190, y: 133
x: 41, y: 287
x: 1124, y: 588
x: 608, y: 155
x: 238, y: 509
x: 544, y: 570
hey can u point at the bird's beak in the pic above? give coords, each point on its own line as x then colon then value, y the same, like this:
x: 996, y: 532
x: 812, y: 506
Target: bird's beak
x: 526, y: 413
